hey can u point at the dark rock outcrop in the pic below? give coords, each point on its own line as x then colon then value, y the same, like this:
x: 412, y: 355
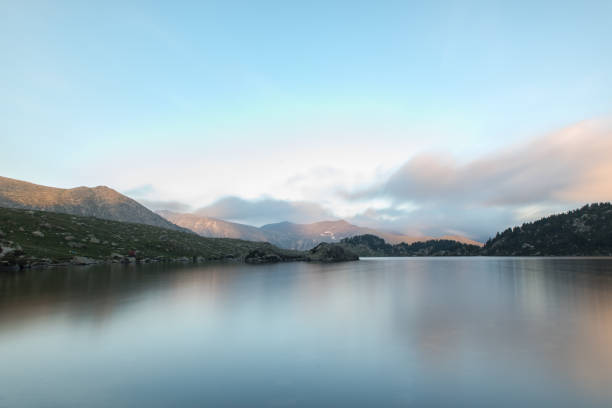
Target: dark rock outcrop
x: 260, y: 256
x: 325, y: 252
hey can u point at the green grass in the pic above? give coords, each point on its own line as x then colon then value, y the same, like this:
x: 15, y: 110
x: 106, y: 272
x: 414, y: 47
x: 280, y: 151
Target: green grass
x: 66, y: 236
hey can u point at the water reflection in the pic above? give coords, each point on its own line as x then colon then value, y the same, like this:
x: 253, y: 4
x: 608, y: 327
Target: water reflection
x: 427, y: 332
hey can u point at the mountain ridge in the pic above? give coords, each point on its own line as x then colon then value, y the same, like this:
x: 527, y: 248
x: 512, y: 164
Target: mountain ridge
x: 286, y: 234
x: 350, y: 230
x: 101, y: 202
x: 214, y: 227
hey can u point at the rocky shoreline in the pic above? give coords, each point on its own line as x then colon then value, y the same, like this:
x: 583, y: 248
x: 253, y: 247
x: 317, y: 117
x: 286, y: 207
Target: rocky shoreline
x: 34, y: 263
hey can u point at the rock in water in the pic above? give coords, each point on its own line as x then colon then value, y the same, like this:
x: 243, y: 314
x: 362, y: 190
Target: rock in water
x: 325, y: 252
x: 260, y: 256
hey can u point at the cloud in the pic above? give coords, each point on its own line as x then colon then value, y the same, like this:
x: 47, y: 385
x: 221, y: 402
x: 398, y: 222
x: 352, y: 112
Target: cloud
x: 435, y: 194
x: 438, y: 219
x: 144, y: 190
x: 431, y: 194
x: 147, y: 195
x: 266, y: 210
x: 572, y: 165
x: 175, y: 206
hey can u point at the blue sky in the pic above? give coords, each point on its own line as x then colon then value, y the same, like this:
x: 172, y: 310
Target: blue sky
x: 292, y: 101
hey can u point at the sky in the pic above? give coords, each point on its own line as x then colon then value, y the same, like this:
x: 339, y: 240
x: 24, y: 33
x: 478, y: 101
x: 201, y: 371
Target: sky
x: 417, y: 117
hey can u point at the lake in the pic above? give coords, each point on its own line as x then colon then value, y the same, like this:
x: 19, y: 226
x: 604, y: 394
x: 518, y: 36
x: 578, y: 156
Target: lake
x: 422, y: 332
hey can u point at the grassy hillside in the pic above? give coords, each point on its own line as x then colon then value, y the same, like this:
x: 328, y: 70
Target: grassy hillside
x: 31, y: 237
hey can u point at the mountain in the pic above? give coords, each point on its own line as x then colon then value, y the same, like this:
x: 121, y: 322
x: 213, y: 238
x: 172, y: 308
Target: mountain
x: 286, y: 234
x: 100, y: 202
x: 371, y: 245
x: 31, y: 238
x: 582, y: 232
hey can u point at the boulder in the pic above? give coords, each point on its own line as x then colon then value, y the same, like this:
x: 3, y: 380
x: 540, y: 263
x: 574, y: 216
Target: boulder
x: 262, y: 256
x: 83, y: 260
x: 6, y: 249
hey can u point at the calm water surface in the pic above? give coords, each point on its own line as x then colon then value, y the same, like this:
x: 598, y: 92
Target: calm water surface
x: 423, y: 332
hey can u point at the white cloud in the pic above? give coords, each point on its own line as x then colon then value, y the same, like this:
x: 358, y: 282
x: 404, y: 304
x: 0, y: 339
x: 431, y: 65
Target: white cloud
x: 264, y: 211
x: 429, y: 194
x: 437, y: 194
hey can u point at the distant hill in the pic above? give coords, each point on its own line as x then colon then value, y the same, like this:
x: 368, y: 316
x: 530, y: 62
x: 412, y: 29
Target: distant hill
x: 371, y: 245
x: 582, y: 232
x: 100, y: 202
x: 303, y: 236
x: 216, y: 228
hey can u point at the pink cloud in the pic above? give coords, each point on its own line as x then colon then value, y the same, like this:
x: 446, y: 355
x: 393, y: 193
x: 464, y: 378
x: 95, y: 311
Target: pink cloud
x: 571, y: 165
